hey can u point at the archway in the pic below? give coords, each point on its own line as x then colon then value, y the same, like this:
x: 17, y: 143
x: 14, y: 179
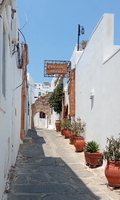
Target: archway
x: 41, y: 105
x: 40, y: 120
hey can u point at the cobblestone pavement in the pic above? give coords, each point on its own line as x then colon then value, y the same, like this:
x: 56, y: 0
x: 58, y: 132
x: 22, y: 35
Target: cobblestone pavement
x: 48, y: 168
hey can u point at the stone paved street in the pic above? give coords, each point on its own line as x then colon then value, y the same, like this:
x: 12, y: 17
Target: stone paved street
x: 48, y: 168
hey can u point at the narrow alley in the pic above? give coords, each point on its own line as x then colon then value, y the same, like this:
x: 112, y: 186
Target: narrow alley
x: 48, y: 168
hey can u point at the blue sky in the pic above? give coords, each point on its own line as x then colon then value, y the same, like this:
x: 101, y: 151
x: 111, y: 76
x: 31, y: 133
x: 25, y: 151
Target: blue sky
x: 51, y: 28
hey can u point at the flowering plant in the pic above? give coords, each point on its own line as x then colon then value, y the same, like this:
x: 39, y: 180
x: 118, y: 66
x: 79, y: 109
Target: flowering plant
x: 77, y: 127
x: 112, y: 151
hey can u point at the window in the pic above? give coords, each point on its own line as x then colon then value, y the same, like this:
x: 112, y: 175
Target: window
x: 39, y: 93
x: 42, y: 115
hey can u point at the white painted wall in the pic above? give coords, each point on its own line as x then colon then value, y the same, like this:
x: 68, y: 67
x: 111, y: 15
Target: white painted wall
x: 33, y: 91
x: 97, y: 83
x: 30, y: 99
x: 39, y: 122
x: 10, y: 104
x: 54, y: 115
x: 41, y: 88
x: 97, y: 73
x: 74, y: 60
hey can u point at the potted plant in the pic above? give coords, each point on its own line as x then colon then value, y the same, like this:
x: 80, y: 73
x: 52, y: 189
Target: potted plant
x: 55, y: 101
x: 65, y: 125
x: 112, y: 155
x: 84, y: 44
x: 77, y: 129
x: 92, y: 155
x: 74, y: 130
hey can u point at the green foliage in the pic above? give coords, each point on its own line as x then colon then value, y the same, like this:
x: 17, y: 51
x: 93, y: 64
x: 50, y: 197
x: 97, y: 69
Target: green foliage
x: 77, y: 127
x: 92, y: 147
x: 112, y: 151
x: 84, y: 42
x: 66, y: 124
x: 55, y: 99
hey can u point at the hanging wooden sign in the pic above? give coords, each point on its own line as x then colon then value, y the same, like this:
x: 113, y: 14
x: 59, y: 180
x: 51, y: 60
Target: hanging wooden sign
x: 56, y: 68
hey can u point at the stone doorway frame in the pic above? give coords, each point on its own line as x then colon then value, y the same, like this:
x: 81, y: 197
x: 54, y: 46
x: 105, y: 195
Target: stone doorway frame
x: 41, y: 105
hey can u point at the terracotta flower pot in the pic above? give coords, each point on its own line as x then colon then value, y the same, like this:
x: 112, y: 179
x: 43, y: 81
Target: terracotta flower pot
x: 62, y: 132
x: 112, y: 173
x: 93, y: 159
x: 79, y: 143
x: 72, y: 138
x: 57, y: 124
x: 66, y: 133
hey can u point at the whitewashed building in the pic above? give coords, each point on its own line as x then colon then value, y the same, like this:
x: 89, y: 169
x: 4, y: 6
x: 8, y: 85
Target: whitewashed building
x: 97, y: 90
x: 41, y: 89
x: 35, y: 91
x: 40, y: 119
x: 10, y: 88
x: 30, y: 99
x: 54, y: 115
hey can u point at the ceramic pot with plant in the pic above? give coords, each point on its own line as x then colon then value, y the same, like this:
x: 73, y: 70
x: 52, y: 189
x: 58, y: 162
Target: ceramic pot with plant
x: 77, y: 130
x: 73, y: 132
x: 92, y: 155
x: 112, y: 155
x: 84, y: 44
x: 57, y: 124
x: 65, y: 126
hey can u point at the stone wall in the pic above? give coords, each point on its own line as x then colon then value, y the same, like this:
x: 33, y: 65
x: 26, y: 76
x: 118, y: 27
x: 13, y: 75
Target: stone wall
x: 40, y: 105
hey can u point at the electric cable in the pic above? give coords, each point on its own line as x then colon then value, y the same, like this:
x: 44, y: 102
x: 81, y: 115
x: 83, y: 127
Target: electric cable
x: 31, y: 85
x: 20, y: 84
x: 25, y: 18
x: 22, y: 35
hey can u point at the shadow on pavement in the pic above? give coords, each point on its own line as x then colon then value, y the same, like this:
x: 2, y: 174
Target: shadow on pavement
x: 36, y: 177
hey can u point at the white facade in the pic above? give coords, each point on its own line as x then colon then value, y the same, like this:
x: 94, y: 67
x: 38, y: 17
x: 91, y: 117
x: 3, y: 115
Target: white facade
x: 35, y: 90
x: 10, y: 91
x: 54, y: 115
x: 40, y: 122
x: 30, y: 99
x: 97, y: 83
x: 41, y: 90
